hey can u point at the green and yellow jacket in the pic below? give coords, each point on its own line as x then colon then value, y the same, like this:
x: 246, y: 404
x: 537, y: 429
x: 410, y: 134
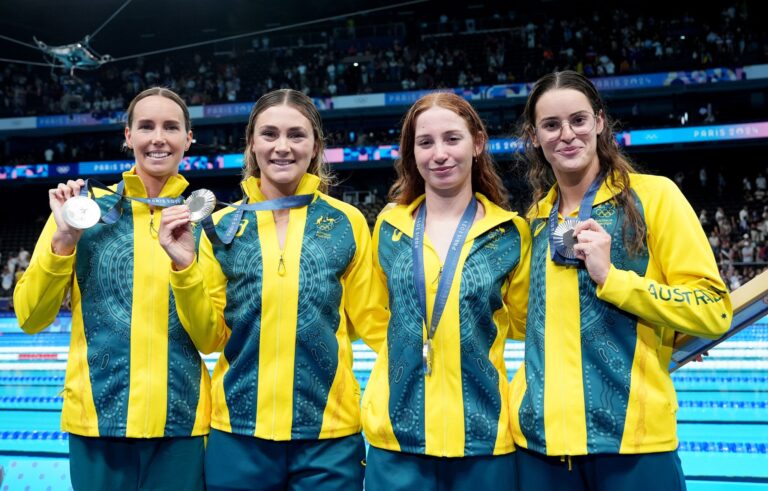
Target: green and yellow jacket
x: 595, y: 377
x: 132, y: 369
x: 283, y: 319
x: 460, y: 410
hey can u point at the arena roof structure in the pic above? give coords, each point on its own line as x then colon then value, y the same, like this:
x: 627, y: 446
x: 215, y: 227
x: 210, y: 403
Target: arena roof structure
x: 71, y: 34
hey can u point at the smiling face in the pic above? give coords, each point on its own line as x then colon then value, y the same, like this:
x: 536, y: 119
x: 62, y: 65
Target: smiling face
x: 443, y: 150
x: 157, y: 136
x: 284, y: 145
x: 572, y: 156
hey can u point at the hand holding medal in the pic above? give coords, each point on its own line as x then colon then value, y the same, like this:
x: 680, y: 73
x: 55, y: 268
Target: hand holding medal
x: 593, y: 246
x: 175, y: 233
x: 67, y: 216
x: 564, y: 236
x: 75, y: 210
x: 80, y: 211
x: 67, y: 207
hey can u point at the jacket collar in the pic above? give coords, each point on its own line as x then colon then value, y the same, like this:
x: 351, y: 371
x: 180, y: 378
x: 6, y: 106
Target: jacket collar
x: 402, y: 216
x: 134, y: 186
x: 605, y: 193
x: 309, y: 184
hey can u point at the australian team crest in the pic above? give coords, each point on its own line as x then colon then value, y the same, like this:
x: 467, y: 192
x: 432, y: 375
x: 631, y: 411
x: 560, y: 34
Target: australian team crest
x: 493, y: 238
x: 325, y: 224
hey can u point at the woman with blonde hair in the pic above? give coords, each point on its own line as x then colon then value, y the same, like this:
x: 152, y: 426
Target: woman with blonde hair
x: 282, y: 301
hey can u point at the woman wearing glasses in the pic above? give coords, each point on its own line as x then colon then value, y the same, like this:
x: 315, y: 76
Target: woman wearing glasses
x: 619, y: 265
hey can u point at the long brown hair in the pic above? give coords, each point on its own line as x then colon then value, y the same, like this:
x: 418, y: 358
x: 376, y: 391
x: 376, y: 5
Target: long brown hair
x: 613, y: 163
x: 485, y: 178
x: 303, y: 104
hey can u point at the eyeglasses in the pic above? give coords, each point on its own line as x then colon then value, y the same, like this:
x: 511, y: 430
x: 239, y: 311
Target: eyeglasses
x: 550, y: 130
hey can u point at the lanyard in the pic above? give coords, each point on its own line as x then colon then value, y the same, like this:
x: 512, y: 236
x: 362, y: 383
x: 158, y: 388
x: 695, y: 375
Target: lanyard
x: 296, y: 201
x: 446, y: 278
x: 558, y: 251
x: 114, y: 213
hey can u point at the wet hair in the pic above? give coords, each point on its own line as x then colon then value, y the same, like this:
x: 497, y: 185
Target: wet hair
x: 409, y: 184
x: 162, y: 92
x: 299, y: 101
x: 614, y: 164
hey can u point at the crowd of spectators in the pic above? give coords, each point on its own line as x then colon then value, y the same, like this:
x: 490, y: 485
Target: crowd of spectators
x: 447, y: 53
x: 739, y: 234
x: 14, y: 265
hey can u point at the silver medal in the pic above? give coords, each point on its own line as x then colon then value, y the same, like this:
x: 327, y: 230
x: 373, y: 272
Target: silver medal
x: 81, y: 212
x: 426, y: 354
x: 563, y: 238
x: 201, y: 204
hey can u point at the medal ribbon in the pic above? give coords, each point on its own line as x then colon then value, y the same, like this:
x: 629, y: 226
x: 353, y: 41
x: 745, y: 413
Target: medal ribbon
x: 296, y: 201
x: 114, y: 213
x: 585, y: 213
x: 449, y: 268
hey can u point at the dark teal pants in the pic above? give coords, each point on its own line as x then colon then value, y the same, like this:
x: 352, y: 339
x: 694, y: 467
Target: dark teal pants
x: 127, y: 464
x: 396, y: 471
x: 237, y: 462
x: 600, y: 472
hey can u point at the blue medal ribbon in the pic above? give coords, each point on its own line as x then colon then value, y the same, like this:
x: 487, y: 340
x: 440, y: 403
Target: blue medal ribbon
x: 448, y: 271
x: 296, y: 201
x: 585, y: 213
x: 114, y: 213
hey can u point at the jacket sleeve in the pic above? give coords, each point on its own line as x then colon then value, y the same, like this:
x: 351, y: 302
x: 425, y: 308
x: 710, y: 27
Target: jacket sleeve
x: 38, y: 295
x: 516, y: 296
x: 201, y: 295
x: 691, y: 298
x: 366, y: 308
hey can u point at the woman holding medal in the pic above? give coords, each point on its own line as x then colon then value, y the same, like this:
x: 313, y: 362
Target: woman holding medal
x: 281, y: 294
x: 136, y: 392
x: 619, y: 265
x: 450, y: 263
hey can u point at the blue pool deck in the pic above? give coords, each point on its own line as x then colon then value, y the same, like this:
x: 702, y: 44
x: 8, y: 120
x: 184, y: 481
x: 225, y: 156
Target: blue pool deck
x: 723, y: 415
